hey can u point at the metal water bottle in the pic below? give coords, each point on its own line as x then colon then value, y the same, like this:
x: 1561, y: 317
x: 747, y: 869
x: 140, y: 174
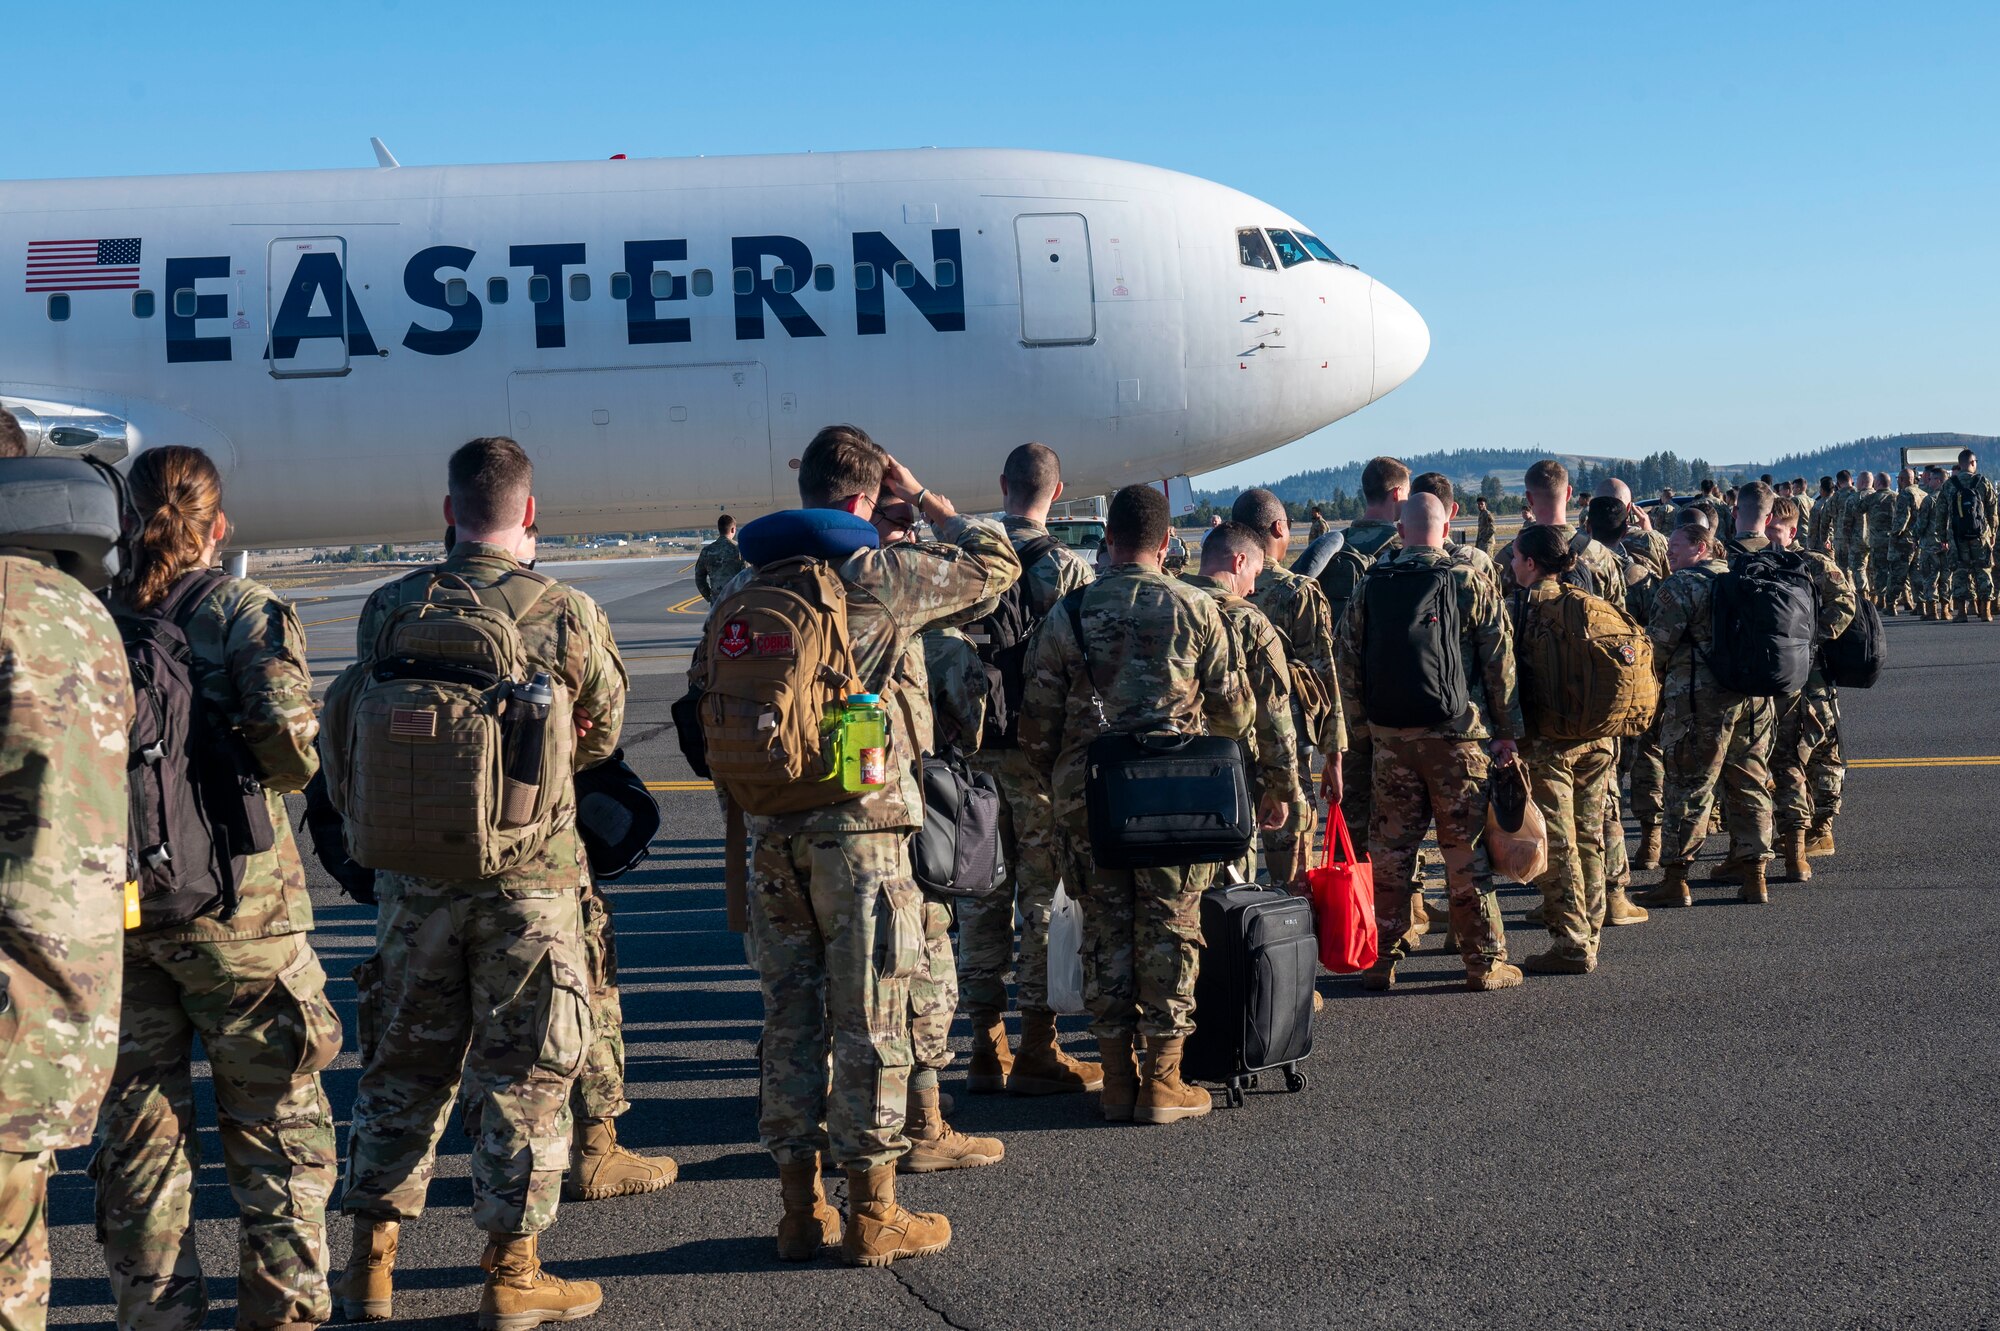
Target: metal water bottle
x: 527, y: 730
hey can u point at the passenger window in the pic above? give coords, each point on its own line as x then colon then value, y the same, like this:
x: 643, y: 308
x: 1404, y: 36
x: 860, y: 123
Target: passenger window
x: 1290, y: 252
x: 905, y: 274
x: 496, y: 291
x: 579, y: 286
x: 185, y: 303
x: 58, y: 308
x: 142, y: 305
x: 743, y: 281
x: 1252, y: 250
x: 1317, y: 247
x: 663, y: 284
x: 782, y: 280
x: 702, y: 282
x: 621, y: 286
x: 864, y: 277
x: 540, y: 290
x: 823, y: 277
x: 454, y: 291
x: 947, y: 273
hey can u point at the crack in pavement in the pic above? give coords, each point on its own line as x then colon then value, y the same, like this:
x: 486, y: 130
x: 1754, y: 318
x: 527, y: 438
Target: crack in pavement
x: 926, y: 1304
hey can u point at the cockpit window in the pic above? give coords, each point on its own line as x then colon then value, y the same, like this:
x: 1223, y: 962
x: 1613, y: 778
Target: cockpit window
x: 1250, y: 247
x: 1318, y: 248
x: 1290, y: 252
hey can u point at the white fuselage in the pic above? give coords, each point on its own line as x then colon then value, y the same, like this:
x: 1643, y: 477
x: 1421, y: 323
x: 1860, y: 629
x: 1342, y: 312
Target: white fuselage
x: 953, y: 303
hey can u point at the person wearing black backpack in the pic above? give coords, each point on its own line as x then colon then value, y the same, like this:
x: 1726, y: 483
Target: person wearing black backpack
x: 1030, y: 481
x: 1971, y: 518
x: 237, y: 971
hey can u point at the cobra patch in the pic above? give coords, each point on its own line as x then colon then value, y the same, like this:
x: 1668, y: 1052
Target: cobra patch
x: 774, y: 644
x: 734, y: 640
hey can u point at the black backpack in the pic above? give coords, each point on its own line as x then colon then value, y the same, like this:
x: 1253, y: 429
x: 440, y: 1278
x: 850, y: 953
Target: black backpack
x: 957, y: 850
x: 1410, y: 646
x: 1001, y: 639
x: 1968, y: 515
x: 1765, y: 615
x: 197, y: 806
x: 1341, y: 577
x: 1854, y: 659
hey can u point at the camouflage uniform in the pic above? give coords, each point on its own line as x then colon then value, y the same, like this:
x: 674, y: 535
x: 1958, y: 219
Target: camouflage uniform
x: 1970, y: 563
x: 67, y: 704
x: 836, y: 920
x: 1439, y: 773
x: 1260, y: 656
x: 1296, y: 607
x: 599, y: 1092
x: 1908, y: 519
x: 1933, y: 535
x: 1376, y: 539
x: 719, y: 561
x: 1027, y: 831
x: 1164, y: 657
x: 249, y: 985
x: 1807, y: 723
x: 485, y: 980
x: 1881, y: 519
x: 1483, y: 538
x: 1819, y: 523
x: 1850, y: 533
x: 1640, y: 757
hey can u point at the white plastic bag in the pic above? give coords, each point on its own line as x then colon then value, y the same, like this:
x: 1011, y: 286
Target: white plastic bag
x: 1065, y: 954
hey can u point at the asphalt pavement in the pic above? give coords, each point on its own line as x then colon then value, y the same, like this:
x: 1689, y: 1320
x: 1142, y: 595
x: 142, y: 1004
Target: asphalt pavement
x: 1780, y: 1116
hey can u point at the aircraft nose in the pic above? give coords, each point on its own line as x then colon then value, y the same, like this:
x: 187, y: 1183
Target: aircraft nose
x: 1402, y: 339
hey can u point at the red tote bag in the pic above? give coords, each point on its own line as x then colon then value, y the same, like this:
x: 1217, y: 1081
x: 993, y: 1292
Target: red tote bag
x: 1343, y: 900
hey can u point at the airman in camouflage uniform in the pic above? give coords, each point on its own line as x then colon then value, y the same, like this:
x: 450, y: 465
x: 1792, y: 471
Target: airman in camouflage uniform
x: 1932, y: 533
x: 1421, y: 774
x: 1881, y: 520
x: 1159, y: 658
x: 1906, y: 523
x: 1483, y: 536
x: 1971, y: 562
x: 1850, y: 526
x: 1373, y: 538
x: 63, y: 812
x: 1819, y: 531
x: 719, y: 561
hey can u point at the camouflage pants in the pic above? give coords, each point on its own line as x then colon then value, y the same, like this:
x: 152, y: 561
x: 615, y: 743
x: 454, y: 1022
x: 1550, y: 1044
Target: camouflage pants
x: 1879, y: 555
x: 839, y: 930
x: 1141, y: 940
x: 1415, y: 781
x: 1902, y: 571
x: 986, y: 926
x: 1852, y: 557
x: 1286, y: 849
x: 1747, y: 811
x: 24, y: 1240
x: 1695, y: 737
x: 1357, y: 805
x: 1617, y: 868
x: 600, y: 1087
x: 1570, y: 783
x: 1971, y: 570
x: 489, y: 986
x: 1649, y: 777
x: 1805, y: 761
x: 1930, y: 572
x: 934, y: 991
x: 259, y: 1007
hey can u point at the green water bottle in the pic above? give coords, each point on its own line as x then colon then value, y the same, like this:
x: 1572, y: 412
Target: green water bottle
x: 864, y: 742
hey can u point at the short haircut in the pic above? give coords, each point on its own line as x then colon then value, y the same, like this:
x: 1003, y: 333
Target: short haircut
x: 13, y: 439
x: 1032, y: 473
x: 1231, y: 539
x: 489, y: 480
x: 1434, y: 483
x: 1609, y: 519
x: 1138, y: 518
x: 1754, y: 501
x: 1843, y: 475
x: 1966, y: 455
x: 1799, y: 483
x: 1481, y: 501
x: 725, y: 525
x: 1382, y: 475
x: 1258, y: 510
x: 1766, y: 478
x: 1547, y: 478
x: 1423, y: 515
x: 1826, y: 485
x: 1694, y: 515
x: 1786, y: 512
x: 839, y: 463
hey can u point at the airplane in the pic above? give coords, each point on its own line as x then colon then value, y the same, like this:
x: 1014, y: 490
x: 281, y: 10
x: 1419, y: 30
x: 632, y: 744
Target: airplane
x: 665, y: 335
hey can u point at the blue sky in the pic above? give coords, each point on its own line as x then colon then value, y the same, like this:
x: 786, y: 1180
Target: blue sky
x: 1730, y: 229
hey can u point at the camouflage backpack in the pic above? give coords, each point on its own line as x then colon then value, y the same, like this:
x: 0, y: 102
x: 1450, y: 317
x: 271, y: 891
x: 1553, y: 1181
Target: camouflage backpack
x: 1586, y: 667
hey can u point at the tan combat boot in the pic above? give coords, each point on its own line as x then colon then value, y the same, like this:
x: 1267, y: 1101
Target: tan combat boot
x: 878, y: 1230
x: 1420, y: 915
x: 1797, y: 867
x: 520, y: 1295
x: 599, y: 1167
x: 1619, y: 909
x: 810, y: 1222
x: 1819, y: 841
x: 1986, y: 610
x: 1553, y: 962
x: 1649, y: 847
x: 365, y: 1289
x: 1042, y: 1068
x: 1672, y: 891
x: 1754, y: 892
x: 936, y: 1144
x: 1121, y: 1078
x: 1381, y: 977
x: 991, y: 1059
x: 1493, y: 975
x: 1163, y: 1096
x: 1729, y: 873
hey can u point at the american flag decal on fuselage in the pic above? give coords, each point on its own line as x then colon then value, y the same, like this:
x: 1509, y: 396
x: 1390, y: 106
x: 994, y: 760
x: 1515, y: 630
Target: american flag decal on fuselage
x: 83, y: 265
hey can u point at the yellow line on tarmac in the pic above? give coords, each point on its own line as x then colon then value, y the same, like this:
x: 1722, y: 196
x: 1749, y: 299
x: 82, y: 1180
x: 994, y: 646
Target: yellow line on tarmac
x: 681, y: 607
x: 315, y: 623
x: 1988, y: 760
x: 680, y: 785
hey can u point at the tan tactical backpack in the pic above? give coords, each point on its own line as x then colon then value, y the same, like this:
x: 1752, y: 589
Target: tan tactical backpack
x: 414, y: 735
x: 777, y: 666
x: 1586, y: 667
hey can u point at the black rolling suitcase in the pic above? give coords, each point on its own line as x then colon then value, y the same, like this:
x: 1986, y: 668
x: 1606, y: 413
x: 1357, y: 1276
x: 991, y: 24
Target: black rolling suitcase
x: 1253, y: 996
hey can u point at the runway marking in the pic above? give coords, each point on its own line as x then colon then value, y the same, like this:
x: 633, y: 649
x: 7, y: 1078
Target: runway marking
x: 681, y: 607
x: 1987, y: 760
x: 680, y: 785
x: 315, y: 623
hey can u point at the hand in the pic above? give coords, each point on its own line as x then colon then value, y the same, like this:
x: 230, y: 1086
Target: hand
x: 1505, y: 752
x: 1273, y: 811
x: 584, y: 722
x: 900, y: 481
x: 1641, y: 520
x: 1333, y: 781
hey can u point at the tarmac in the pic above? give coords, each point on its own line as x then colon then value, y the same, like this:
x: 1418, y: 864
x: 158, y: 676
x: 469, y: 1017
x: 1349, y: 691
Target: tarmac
x: 1779, y: 1116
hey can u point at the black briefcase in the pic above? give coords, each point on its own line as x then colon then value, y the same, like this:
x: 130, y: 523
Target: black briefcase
x: 957, y: 852
x: 1166, y: 801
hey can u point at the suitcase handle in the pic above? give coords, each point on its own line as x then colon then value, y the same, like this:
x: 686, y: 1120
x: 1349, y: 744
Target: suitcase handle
x: 1164, y: 741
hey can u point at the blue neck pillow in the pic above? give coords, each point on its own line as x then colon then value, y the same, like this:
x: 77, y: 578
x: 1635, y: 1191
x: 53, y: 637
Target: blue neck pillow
x: 817, y: 533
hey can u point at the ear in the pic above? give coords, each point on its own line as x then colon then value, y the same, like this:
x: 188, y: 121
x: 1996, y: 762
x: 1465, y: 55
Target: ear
x: 449, y: 520
x: 218, y: 530
x: 851, y: 505
x: 1003, y: 487
x: 528, y: 517
x: 1058, y: 494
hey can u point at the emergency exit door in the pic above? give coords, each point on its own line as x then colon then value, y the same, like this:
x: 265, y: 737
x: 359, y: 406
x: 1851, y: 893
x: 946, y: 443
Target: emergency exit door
x: 306, y: 308
x: 1057, y: 298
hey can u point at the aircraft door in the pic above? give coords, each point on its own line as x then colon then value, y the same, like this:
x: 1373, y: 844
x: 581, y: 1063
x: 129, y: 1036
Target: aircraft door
x: 1057, y: 306
x: 306, y: 313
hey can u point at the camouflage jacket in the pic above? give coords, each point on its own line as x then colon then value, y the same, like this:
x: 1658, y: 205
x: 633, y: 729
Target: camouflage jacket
x: 1055, y: 574
x: 1984, y: 495
x: 1607, y: 574
x: 1850, y: 518
x: 1161, y: 659
x: 1485, y: 528
x: 1807, y: 504
x: 67, y: 704
x: 957, y: 692
x: 1881, y: 517
x: 1260, y: 656
x: 250, y: 664
x: 1317, y: 530
x: 1297, y: 609
x: 718, y: 562
x: 1649, y: 547
x: 1487, y: 650
x: 564, y: 633
x: 1483, y: 566
x: 1682, y: 629
x: 1819, y: 522
x: 1907, y: 518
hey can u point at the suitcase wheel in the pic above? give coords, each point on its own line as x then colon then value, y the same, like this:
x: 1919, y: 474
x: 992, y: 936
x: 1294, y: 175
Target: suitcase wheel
x: 1234, y: 1095
x: 1252, y: 1081
x: 1295, y: 1081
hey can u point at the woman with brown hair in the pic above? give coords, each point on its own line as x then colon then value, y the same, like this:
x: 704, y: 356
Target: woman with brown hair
x: 240, y: 974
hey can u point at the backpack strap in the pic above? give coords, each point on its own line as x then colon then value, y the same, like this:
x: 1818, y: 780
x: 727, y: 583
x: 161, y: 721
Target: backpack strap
x: 187, y: 595
x: 1073, y: 606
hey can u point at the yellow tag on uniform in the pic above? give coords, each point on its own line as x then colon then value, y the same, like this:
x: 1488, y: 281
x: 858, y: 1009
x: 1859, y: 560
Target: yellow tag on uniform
x: 131, y: 904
